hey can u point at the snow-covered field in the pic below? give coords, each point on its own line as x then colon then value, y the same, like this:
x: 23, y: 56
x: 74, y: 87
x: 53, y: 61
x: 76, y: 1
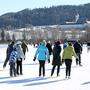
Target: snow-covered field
x: 80, y: 76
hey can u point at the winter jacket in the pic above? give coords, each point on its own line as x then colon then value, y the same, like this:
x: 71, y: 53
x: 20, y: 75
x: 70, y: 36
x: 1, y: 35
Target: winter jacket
x: 77, y: 47
x: 8, y: 53
x: 19, y: 51
x: 49, y: 46
x: 68, y: 53
x: 56, y: 55
x: 9, y: 50
x: 24, y: 47
x: 13, y: 56
x: 42, y: 53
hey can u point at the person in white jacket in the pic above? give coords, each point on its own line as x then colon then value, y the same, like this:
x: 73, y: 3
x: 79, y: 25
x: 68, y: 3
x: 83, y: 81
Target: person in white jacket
x: 21, y: 57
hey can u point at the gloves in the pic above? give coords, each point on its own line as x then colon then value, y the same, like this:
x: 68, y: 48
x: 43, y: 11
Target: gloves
x: 48, y: 60
x: 24, y: 58
x: 4, y: 66
x: 34, y: 59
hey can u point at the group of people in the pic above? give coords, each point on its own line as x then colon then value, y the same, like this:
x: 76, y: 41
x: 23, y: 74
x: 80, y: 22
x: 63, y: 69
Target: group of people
x: 15, y: 54
x: 44, y: 51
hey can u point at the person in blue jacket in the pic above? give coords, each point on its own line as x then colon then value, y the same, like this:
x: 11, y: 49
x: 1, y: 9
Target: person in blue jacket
x: 12, y: 62
x: 42, y: 54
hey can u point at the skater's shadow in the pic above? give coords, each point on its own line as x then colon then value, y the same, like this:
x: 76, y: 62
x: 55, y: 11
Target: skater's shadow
x: 85, y: 83
x: 4, y: 77
x: 61, y: 68
x: 1, y: 61
x: 55, y: 68
x: 31, y: 64
x: 44, y: 82
x: 23, y: 80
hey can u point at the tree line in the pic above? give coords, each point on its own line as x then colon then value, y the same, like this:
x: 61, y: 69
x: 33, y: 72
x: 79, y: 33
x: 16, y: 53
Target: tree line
x: 45, y: 16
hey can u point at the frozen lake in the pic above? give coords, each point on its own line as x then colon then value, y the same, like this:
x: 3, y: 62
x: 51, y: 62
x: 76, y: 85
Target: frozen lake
x: 80, y: 76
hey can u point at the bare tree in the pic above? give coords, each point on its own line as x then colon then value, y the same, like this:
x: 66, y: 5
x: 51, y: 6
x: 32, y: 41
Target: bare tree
x: 13, y: 37
x: 3, y: 35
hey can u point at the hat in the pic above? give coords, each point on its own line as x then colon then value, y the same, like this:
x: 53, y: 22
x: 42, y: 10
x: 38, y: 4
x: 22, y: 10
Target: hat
x: 18, y: 43
x: 57, y: 42
x: 69, y: 43
x: 42, y: 43
x: 12, y: 42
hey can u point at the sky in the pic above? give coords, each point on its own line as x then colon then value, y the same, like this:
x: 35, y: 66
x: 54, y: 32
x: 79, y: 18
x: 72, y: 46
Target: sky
x: 18, y: 5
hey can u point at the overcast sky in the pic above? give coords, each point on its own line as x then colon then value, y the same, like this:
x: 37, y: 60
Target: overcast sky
x: 17, y: 5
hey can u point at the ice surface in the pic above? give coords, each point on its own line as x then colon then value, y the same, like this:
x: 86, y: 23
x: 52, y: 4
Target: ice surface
x: 80, y: 76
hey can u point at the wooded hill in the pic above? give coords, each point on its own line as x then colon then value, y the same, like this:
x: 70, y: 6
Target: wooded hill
x: 46, y: 16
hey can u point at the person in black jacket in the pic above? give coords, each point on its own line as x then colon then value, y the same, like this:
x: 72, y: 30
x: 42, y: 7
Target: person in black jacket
x: 78, y: 50
x: 88, y: 46
x: 49, y: 46
x: 24, y: 47
x: 8, y: 52
x: 56, y: 58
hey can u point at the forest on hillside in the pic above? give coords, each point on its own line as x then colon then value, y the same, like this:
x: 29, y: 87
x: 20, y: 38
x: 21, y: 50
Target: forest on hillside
x: 45, y: 16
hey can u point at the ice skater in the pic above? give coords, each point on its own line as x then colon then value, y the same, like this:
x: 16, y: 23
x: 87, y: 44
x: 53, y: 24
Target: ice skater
x: 78, y: 50
x: 67, y: 58
x: 56, y: 58
x: 20, y: 58
x: 12, y: 62
x: 42, y: 54
x: 8, y: 52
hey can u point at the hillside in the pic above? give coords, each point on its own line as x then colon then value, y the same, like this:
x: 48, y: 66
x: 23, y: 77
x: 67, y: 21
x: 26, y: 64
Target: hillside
x: 46, y: 16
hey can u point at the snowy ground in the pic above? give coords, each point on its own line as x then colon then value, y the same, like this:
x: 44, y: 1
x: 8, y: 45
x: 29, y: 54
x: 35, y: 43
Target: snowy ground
x: 80, y: 76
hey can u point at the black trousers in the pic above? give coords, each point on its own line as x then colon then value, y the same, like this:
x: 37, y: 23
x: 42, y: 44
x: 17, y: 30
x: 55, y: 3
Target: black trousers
x: 78, y: 60
x: 12, y: 69
x: 41, y: 67
x: 68, y: 63
x: 19, y: 67
x: 58, y: 69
